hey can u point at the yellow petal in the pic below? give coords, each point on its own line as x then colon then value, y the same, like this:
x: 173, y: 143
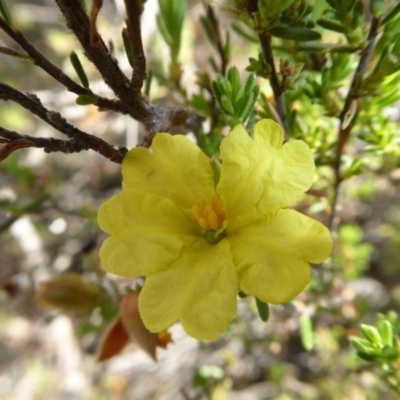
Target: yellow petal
x: 272, y: 255
x: 176, y: 169
x: 263, y: 173
x: 148, y: 232
x: 200, y: 288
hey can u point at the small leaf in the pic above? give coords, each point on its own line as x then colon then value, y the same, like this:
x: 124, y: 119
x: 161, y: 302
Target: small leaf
x: 13, y: 53
x: 76, y: 63
x: 371, y: 333
x: 5, y: 12
x: 8, y: 148
x: 128, y: 47
x: 114, y: 341
x: 227, y: 105
x: 295, y: 33
x: 325, y: 47
x: 306, y: 332
x: 391, y: 15
x: 332, y: 25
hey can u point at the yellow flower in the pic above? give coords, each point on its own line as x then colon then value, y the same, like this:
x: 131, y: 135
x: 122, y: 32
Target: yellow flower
x: 198, y: 238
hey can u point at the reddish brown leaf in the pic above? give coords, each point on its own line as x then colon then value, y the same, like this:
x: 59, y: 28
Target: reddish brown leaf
x: 113, y: 342
x: 8, y: 148
x: 133, y: 323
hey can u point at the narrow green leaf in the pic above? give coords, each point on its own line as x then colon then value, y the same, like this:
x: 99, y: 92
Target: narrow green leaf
x: 371, y: 333
x: 331, y: 25
x: 13, y: 53
x: 148, y: 83
x: 79, y: 69
x: 306, y: 332
x: 216, y: 91
x: 391, y: 15
x: 362, y: 346
x: 249, y: 83
x: 325, y: 47
x: 249, y: 36
x: 295, y: 33
x: 221, y: 83
x: 263, y: 310
x: 5, y: 12
x: 234, y: 80
x: 386, y: 331
x: 227, y: 105
x: 128, y: 47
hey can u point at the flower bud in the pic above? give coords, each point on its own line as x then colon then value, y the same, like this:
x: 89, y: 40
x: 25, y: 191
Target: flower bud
x: 69, y: 292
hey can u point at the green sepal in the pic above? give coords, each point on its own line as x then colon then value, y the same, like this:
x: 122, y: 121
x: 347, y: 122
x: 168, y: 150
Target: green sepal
x: 263, y: 310
x: 216, y: 168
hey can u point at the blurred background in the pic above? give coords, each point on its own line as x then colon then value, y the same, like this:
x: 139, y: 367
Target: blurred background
x: 48, y: 227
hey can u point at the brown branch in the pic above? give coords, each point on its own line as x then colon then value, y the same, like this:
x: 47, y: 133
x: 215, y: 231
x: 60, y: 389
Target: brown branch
x: 49, y: 145
x: 345, y: 128
x: 42, y: 62
x: 217, y: 36
x: 134, y: 10
x: 98, y: 53
x: 265, y: 42
x: 32, y: 103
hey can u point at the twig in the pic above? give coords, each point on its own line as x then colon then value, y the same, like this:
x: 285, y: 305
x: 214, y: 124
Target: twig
x: 32, y: 103
x: 134, y: 9
x: 42, y: 62
x: 98, y: 53
x: 265, y: 42
x: 345, y: 129
x: 217, y: 36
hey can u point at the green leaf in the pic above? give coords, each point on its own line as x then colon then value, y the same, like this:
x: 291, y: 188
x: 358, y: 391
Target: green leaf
x: 332, y: 25
x: 227, y: 104
x: 325, y: 47
x: 306, y: 332
x: 295, y: 33
x: 272, y: 8
x: 386, y: 332
x: 5, y: 12
x: 76, y: 63
x: 362, y: 346
x: 128, y: 47
x: 371, y: 333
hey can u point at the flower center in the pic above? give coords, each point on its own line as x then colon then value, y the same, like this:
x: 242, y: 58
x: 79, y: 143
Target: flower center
x: 213, y: 216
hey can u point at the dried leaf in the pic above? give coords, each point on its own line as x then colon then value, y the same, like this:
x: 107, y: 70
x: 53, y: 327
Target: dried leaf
x: 8, y: 148
x: 114, y: 341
